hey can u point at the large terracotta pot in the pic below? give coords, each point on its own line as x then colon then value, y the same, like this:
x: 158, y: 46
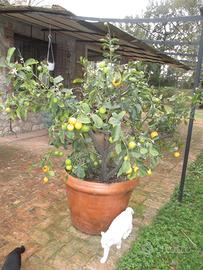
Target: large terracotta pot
x: 93, y: 205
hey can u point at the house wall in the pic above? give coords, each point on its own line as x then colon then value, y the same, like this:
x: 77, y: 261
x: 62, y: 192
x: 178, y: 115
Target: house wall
x: 65, y: 58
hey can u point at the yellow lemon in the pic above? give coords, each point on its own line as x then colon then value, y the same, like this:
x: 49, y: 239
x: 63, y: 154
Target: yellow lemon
x: 142, y: 140
x: 154, y: 134
x: 135, y: 168
x: 176, y: 154
x: 69, y: 167
x: 116, y: 82
x: 78, y: 125
x: 70, y: 127
x: 126, y: 158
x: 7, y: 110
x: 68, y: 161
x: 96, y: 163
x: 45, y: 169
x: 131, y: 145
x: 45, y: 180
x: 149, y: 172
x: 110, y: 139
x: 102, y: 110
x: 130, y: 171
x: 72, y: 120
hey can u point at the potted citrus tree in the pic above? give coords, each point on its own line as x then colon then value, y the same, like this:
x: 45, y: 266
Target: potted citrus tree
x: 111, y: 130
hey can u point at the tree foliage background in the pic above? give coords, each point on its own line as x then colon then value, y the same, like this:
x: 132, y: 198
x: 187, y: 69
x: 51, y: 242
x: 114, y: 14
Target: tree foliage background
x: 185, y: 32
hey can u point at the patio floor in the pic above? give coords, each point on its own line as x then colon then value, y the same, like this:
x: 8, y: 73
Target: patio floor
x: 36, y: 215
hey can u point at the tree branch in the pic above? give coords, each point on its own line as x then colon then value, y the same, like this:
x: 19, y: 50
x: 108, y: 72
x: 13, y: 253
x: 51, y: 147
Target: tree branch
x: 96, y: 146
x: 115, y: 170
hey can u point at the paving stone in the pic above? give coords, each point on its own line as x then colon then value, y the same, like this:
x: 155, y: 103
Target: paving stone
x: 50, y: 250
x: 35, y: 263
x: 37, y: 215
x: 39, y: 236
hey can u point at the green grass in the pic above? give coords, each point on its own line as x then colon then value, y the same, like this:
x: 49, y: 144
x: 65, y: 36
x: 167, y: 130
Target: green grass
x: 174, y: 241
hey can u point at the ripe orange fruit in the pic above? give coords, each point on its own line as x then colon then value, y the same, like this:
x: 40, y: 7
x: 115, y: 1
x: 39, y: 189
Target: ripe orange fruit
x: 45, y: 180
x: 45, y: 169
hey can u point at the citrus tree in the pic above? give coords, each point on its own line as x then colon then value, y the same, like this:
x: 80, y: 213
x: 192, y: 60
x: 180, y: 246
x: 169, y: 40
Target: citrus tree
x: 115, y: 128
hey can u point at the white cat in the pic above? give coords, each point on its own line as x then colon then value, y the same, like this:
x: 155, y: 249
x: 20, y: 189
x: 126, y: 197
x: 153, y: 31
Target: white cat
x: 119, y: 229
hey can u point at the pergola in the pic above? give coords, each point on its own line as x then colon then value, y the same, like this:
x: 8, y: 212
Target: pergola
x: 91, y: 32
x: 66, y: 23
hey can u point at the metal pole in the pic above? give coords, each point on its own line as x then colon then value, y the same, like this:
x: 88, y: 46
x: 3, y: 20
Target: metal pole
x: 192, y: 114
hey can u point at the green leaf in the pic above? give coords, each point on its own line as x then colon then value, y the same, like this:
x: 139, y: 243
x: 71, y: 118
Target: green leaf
x: 70, y: 135
x: 116, y: 118
x: 10, y: 54
x: 62, y: 136
x: 132, y: 79
x: 124, y: 168
x: 85, y: 107
x: 153, y: 152
x: 18, y: 113
x: 116, y: 133
x: 84, y: 119
x: 143, y: 151
x: 51, y: 173
x: 98, y: 122
x: 121, y: 115
x: 58, y: 79
x: 118, y: 148
x: 30, y: 62
x: 113, y: 121
x: 136, y: 155
x: 79, y: 171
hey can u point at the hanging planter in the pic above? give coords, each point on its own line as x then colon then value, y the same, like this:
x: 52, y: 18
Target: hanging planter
x: 50, y: 54
x: 51, y: 66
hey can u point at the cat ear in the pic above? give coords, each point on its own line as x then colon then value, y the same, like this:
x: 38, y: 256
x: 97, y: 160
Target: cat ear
x: 102, y: 233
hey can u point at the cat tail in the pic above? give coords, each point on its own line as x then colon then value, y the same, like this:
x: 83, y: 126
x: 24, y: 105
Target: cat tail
x: 21, y: 249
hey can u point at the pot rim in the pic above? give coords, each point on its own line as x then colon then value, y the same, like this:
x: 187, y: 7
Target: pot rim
x: 100, y: 188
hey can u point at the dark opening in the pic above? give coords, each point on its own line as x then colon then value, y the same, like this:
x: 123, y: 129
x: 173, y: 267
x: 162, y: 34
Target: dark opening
x: 31, y: 47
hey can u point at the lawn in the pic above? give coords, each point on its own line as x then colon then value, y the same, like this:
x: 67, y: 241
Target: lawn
x: 174, y: 241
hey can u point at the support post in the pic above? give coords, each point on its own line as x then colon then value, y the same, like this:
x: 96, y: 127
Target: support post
x: 192, y: 114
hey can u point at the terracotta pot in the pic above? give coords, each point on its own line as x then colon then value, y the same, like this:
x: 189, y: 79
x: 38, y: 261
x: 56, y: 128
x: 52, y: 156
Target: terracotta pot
x: 93, y: 205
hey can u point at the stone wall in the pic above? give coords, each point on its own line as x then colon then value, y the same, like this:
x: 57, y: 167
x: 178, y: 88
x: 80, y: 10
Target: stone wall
x: 34, y: 122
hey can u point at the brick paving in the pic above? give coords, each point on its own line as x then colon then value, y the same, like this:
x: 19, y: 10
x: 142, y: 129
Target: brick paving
x: 37, y: 216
